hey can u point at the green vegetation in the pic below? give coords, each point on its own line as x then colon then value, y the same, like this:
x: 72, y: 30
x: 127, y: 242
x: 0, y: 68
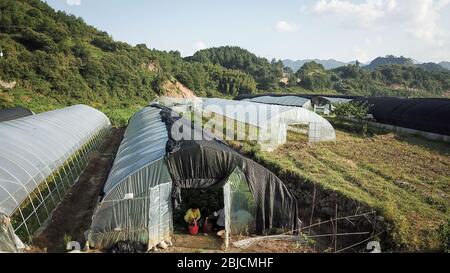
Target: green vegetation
x: 266, y: 74
x: 384, y: 80
x: 404, y: 178
x: 444, y: 236
x: 353, y: 110
x: 388, y: 60
x: 56, y: 60
x: 313, y: 76
x: 391, y: 80
x: 356, y: 111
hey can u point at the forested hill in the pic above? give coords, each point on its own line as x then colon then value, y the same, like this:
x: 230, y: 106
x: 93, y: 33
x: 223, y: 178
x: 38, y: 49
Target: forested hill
x: 384, y: 80
x: 388, y: 60
x: 265, y: 73
x: 52, y: 59
x: 403, y: 61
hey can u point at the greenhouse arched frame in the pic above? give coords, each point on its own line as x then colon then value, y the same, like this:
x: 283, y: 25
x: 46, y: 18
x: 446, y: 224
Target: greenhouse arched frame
x: 41, y: 157
x: 151, y: 168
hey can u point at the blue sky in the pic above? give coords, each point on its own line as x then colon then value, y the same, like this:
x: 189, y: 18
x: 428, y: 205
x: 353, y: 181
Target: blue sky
x: 341, y: 29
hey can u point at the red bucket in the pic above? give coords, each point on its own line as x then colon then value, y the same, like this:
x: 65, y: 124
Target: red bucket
x: 193, y: 229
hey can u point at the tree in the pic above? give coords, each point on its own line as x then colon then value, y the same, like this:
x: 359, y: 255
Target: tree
x: 104, y: 43
x: 265, y: 73
x: 313, y: 76
x: 352, y: 109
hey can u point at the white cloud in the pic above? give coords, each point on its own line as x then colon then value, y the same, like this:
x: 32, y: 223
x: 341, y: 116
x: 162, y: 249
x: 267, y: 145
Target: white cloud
x: 365, y: 13
x: 73, y: 2
x: 417, y: 18
x: 283, y: 26
x: 199, y: 45
x: 361, y: 55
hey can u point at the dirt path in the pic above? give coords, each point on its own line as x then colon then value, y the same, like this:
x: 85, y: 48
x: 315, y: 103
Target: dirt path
x: 185, y: 243
x: 73, y: 216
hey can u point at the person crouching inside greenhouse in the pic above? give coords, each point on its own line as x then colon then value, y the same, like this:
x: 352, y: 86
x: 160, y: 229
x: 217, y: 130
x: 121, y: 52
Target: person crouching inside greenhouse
x: 192, y: 216
x: 219, y: 224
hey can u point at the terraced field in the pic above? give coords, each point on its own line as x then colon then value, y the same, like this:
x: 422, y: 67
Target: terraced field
x: 404, y: 178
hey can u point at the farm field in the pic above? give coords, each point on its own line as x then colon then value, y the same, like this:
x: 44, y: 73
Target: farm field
x: 313, y: 127
x: 406, y: 179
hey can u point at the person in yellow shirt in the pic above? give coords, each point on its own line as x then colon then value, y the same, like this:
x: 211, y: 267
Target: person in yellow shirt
x: 192, y: 215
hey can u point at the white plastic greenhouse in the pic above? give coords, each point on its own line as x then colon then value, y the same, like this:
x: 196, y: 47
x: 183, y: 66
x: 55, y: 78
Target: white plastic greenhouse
x: 139, y: 183
x: 41, y: 157
x: 283, y: 100
x: 151, y: 168
x: 273, y: 121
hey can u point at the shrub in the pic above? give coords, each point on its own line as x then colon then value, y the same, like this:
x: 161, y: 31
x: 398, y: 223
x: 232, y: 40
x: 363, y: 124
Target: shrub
x: 444, y: 236
x: 354, y: 110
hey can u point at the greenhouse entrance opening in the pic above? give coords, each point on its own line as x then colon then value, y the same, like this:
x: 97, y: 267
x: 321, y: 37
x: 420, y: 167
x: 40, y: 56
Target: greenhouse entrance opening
x: 233, y: 196
x: 208, y: 201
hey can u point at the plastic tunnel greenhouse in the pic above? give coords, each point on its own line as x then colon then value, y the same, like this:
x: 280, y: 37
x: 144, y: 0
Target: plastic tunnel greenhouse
x: 273, y: 120
x: 151, y: 168
x: 423, y: 114
x: 283, y: 100
x: 323, y: 104
x: 41, y: 157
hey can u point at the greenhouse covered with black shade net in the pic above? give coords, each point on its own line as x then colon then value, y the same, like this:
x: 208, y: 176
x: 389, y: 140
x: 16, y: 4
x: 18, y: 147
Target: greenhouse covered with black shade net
x: 423, y: 114
x: 7, y: 114
x: 151, y: 168
x: 41, y: 157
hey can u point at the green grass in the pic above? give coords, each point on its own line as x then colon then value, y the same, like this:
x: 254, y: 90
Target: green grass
x: 405, y: 178
x: 118, y: 112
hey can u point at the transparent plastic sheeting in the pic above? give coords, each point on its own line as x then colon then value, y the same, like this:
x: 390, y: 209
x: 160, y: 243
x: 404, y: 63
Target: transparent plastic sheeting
x: 137, y: 195
x: 272, y: 117
x: 284, y: 100
x: 9, y: 242
x: 334, y: 101
x: 32, y: 148
x: 240, y: 206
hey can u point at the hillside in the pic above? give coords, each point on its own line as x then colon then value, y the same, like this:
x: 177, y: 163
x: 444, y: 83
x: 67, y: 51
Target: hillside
x: 388, y: 172
x: 431, y: 67
x: 445, y: 65
x: 56, y: 59
x: 266, y: 74
x: 385, y: 80
x: 407, y: 62
x: 388, y: 60
x: 52, y: 59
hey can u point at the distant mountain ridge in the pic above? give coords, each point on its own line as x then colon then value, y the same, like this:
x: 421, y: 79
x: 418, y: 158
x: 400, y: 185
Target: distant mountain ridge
x: 390, y: 59
x: 380, y: 61
x: 445, y: 65
x: 328, y: 64
x: 408, y: 62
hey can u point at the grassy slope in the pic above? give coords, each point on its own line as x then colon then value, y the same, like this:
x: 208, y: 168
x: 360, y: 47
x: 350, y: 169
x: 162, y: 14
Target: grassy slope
x: 119, y: 114
x: 405, y: 178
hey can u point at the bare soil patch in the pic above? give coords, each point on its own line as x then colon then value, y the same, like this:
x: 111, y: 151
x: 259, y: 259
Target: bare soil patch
x: 185, y: 243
